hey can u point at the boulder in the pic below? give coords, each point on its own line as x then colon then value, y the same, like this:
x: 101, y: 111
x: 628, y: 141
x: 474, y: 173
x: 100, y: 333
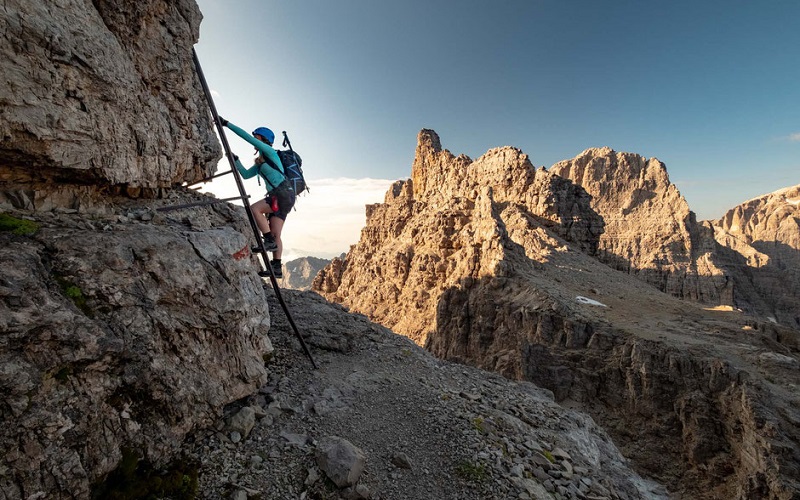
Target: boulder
x: 340, y: 460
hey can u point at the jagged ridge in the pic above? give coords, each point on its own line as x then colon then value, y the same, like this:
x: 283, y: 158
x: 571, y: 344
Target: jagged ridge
x: 482, y: 261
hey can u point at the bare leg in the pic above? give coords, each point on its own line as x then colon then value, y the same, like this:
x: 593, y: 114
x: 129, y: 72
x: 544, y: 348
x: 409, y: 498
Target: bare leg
x: 260, y: 209
x: 276, y: 226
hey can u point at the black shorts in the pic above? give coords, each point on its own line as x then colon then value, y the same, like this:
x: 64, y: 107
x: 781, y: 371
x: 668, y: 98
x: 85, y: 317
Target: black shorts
x: 285, y: 196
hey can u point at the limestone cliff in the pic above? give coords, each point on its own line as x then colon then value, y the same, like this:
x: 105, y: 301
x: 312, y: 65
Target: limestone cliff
x: 764, y: 233
x: 744, y: 260
x: 122, y: 329
x: 494, y: 263
x: 452, y: 223
x: 650, y: 231
x: 101, y: 93
x: 120, y: 335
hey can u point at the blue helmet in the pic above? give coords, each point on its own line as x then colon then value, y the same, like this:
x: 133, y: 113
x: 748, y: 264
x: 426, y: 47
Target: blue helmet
x: 266, y: 133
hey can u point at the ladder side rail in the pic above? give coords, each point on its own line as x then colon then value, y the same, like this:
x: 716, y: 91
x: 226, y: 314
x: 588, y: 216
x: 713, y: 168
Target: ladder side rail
x: 224, y: 139
x: 243, y: 192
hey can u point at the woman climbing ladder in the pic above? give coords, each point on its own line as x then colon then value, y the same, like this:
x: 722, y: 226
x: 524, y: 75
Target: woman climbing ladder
x: 269, y: 213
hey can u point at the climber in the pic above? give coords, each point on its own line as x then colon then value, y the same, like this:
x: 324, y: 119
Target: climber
x: 269, y: 213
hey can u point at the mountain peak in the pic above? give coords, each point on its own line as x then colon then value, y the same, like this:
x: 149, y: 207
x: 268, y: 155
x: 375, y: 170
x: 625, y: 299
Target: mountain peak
x: 491, y: 263
x: 428, y: 139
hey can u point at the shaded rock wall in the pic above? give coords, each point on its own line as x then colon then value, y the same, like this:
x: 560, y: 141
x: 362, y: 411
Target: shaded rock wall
x: 103, y: 93
x: 764, y: 233
x: 121, y: 328
x: 120, y: 335
x: 699, y: 423
x: 650, y: 231
x: 746, y: 260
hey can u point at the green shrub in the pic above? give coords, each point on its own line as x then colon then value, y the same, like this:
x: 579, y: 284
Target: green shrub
x: 19, y: 227
x: 74, y: 293
x: 475, y: 473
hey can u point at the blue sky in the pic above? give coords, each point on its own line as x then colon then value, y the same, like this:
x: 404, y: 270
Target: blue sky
x: 710, y: 88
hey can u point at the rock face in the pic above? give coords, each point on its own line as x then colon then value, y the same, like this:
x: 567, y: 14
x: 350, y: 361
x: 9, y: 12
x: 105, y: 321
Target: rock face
x: 744, y: 260
x: 452, y: 224
x: 298, y: 274
x: 120, y: 336
x: 650, y: 231
x: 764, y: 233
x: 122, y: 329
x: 102, y: 93
x: 495, y: 264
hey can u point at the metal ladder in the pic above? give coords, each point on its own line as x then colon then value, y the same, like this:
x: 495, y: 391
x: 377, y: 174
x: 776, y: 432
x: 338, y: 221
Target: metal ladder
x: 244, y: 197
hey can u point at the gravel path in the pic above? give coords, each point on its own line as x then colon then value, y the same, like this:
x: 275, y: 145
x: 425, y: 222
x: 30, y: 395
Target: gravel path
x: 428, y: 429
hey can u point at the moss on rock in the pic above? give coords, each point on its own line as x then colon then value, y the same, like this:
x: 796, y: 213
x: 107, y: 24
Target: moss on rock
x: 20, y: 227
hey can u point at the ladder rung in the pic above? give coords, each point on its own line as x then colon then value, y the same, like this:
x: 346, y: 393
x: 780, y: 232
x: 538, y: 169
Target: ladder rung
x: 209, y: 178
x: 202, y: 203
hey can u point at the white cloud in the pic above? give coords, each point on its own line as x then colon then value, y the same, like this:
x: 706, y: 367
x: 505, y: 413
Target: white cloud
x: 326, y: 220
x: 215, y: 94
x: 794, y: 137
x: 330, y: 217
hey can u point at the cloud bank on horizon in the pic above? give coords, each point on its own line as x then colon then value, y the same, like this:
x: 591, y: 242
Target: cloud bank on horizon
x: 329, y: 219
x: 326, y: 220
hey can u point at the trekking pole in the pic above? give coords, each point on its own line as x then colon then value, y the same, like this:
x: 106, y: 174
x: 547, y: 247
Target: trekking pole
x: 242, y: 191
x: 286, y: 142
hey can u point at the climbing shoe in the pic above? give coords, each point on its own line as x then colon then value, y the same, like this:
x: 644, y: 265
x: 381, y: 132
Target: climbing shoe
x: 276, y: 268
x: 269, y: 244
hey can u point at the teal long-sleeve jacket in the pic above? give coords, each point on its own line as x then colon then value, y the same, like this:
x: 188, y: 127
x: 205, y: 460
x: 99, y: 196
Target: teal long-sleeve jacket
x: 272, y: 176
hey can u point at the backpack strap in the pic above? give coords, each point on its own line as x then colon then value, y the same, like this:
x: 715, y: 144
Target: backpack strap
x: 266, y: 180
x: 273, y: 165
